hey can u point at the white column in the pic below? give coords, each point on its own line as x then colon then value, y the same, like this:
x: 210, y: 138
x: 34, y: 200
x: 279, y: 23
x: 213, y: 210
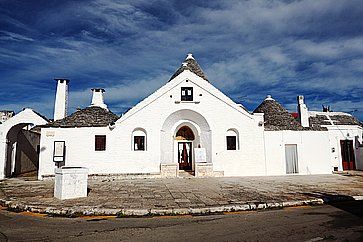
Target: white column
x: 13, y: 157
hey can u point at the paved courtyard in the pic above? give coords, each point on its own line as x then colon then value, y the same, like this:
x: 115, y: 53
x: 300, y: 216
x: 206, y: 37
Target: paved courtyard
x: 145, y: 195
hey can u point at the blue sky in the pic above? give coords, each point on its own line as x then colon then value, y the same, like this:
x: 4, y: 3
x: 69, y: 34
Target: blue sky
x: 248, y: 49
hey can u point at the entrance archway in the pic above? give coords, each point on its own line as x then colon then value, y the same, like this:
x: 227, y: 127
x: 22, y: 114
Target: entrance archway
x: 22, y: 151
x: 18, y: 145
x: 179, y: 127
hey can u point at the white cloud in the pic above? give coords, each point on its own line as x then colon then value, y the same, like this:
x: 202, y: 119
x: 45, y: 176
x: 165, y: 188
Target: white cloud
x: 6, y: 35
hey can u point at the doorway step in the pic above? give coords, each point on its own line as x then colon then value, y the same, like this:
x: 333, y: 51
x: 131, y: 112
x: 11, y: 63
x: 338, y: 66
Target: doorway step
x: 186, y: 174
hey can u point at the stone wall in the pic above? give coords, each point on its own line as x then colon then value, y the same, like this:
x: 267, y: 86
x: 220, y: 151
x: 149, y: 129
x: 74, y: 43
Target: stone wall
x: 169, y: 170
x: 204, y: 170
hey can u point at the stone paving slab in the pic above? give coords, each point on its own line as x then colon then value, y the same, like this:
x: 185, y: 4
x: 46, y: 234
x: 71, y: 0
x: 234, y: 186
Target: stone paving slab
x: 139, y: 197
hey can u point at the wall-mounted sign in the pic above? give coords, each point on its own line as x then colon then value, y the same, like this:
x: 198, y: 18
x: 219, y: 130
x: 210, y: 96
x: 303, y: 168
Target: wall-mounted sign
x: 200, y: 155
x: 59, y: 151
x: 50, y: 133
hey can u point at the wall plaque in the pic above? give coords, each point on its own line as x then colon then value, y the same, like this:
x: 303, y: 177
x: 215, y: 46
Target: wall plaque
x: 59, y: 151
x: 200, y: 155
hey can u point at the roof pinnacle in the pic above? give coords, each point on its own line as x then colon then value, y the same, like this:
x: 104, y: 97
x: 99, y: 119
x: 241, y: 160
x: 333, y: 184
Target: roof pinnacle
x: 189, y: 56
x: 269, y: 98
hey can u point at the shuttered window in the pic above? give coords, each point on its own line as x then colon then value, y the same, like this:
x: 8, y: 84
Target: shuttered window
x: 139, y: 142
x: 100, y: 142
x: 231, y: 143
x: 187, y: 94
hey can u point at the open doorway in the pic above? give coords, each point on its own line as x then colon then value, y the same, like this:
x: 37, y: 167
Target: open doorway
x: 22, y: 151
x: 185, y: 137
x: 348, y: 157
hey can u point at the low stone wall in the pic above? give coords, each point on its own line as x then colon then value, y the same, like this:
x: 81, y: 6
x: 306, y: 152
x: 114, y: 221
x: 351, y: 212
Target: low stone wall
x: 218, y: 173
x: 107, y: 176
x: 204, y: 170
x: 169, y: 170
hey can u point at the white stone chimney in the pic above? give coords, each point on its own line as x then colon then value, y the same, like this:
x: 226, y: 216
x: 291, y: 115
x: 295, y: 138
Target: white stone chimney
x: 303, y: 111
x: 97, y: 98
x: 61, y: 99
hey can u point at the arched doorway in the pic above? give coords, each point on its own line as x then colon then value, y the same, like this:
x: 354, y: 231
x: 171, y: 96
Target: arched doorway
x: 22, y: 151
x: 179, y: 127
x: 184, y: 138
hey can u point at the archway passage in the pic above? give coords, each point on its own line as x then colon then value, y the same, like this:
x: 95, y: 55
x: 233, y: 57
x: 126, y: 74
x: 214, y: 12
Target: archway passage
x: 19, y: 150
x: 22, y: 151
x: 185, y: 137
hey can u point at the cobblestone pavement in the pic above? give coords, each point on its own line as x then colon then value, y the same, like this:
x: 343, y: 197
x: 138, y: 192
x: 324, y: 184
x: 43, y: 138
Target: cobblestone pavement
x: 180, y: 193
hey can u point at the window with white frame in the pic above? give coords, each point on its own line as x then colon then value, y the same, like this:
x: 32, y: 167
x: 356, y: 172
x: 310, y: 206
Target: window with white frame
x: 139, y: 139
x: 186, y: 94
x: 232, y: 139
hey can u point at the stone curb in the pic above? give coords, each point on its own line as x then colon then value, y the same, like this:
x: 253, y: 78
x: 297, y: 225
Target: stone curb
x: 95, y: 211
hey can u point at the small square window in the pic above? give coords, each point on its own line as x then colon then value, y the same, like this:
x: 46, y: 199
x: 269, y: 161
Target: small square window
x: 100, y: 142
x: 187, y: 94
x: 139, y: 142
x: 231, y: 142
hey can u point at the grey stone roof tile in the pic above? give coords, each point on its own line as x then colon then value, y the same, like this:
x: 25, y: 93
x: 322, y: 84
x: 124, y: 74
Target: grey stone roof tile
x: 326, y: 119
x: 277, y: 117
x: 87, y: 117
x: 192, y: 65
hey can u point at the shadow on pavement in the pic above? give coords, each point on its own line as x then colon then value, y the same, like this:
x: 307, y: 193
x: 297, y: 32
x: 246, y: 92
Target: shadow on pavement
x: 328, y: 198
x: 342, y: 202
x: 352, y: 207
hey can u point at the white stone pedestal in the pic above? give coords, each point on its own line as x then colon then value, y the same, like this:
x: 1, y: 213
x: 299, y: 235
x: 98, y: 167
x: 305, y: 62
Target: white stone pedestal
x: 70, y: 182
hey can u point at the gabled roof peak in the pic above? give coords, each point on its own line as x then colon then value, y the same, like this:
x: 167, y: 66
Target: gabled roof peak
x: 192, y: 65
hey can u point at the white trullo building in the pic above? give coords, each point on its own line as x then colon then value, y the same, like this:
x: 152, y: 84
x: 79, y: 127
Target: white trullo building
x: 189, y: 125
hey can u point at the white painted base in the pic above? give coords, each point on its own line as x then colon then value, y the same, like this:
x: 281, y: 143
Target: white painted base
x: 204, y: 170
x: 70, y: 182
x: 169, y: 170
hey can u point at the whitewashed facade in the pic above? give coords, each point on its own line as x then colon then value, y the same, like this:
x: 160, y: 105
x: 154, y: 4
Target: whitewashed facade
x: 164, y: 129
x: 342, y: 127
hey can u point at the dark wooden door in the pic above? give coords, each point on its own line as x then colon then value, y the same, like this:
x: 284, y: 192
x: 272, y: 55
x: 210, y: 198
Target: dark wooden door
x: 185, y: 155
x: 348, y: 158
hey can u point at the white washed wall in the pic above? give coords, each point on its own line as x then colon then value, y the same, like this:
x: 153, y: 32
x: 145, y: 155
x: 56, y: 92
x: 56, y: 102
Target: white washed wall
x: 80, y: 151
x: 217, y: 109
x: 342, y: 132
x: 312, y: 148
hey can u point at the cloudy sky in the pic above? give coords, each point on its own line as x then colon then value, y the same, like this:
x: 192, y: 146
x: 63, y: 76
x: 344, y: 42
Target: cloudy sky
x: 248, y: 49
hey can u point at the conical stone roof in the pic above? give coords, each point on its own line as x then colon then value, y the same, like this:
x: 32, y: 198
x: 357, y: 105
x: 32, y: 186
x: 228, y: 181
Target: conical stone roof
x: 192, y: 65
x: 87, y: 117
x: 276, y: 116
